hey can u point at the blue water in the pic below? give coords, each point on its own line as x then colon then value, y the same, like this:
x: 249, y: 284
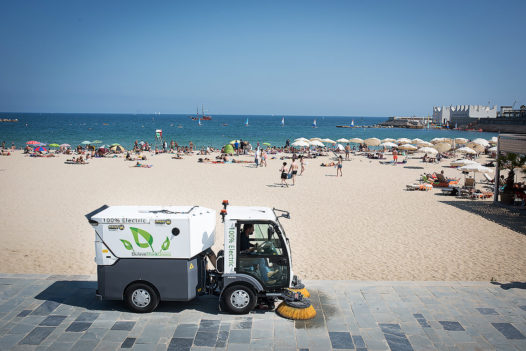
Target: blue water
x: 126, y: 128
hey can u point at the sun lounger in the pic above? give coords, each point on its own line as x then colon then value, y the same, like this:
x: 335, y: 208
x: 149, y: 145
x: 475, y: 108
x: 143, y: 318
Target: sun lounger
x: 451, y: 191
x: 421, y: 187
x: 489, y: 179
x: 444, y: 182
x: 481, y: 194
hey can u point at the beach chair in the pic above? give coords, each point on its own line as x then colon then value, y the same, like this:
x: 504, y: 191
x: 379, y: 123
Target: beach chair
x: 468, y: 188
x: 444, y: 182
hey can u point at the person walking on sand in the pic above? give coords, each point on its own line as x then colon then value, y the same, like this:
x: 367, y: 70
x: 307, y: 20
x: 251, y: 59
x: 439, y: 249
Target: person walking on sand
x: 293, y: 169
x: 395, y: 156
x: 264, y: 158
x: 302, y: 164
x: 339, y: 167
x: 347, y: 151
x: 283, y: 171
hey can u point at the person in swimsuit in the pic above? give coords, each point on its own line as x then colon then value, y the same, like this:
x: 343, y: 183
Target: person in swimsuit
x: 302, y: 164
x: 283, y: 171
x: 293, y: 169
x: 339, y: 167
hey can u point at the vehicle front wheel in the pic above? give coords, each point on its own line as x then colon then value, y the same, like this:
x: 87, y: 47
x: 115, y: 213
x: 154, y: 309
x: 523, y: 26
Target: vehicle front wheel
x: 141, y: 298
x: 239, y: 299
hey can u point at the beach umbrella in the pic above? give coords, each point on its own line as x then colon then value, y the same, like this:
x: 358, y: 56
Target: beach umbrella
x: 268, y: 144
x: 388, y: 144
x: 229, y: 149
x: 54, y: 145
x: 481, y: 141
x: 117, y: 148
x: 462, y: 162
x: 372, y: 142
x: 388, y: 140
x: 492, y: 149
x: 461, y: 141
x: 96, y: 142
x: 234, y: 141
x: 327, y: 140
x: 427, y: 150
x: 407, y: 147
x: 33, y: 142
x: 475, y: 168
x: 493, y: 140
x: 440, y: 140
x: 424, y: 143
x: 479, y: 148
x: 115, y: 144
x: 466, y: 150
x: 416, y: 141
x: 403, y: 141
x: 316, y: 143
x: 302, y: 139
x: 301, y: 143
x: 85, y: 142
x: 40, y: 149
x: 141, y: 142
x: 65, y: 145
x: 340, y: 147
x: 342, y: 140
x: 356, y: 141
x: 312, y: 139
x: 442, y: 147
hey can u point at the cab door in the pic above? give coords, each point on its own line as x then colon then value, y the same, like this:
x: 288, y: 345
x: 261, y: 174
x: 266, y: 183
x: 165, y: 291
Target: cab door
x: 268, y: 260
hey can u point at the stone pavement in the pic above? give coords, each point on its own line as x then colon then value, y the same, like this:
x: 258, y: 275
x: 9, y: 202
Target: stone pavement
x: 42, y: 312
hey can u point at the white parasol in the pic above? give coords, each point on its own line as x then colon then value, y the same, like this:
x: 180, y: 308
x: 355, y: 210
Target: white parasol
x: 342, y: 140
x: 407, y: 147
x: 403, y: 141
x: 427, y: 150
x: 388, y: 144
x: 443, y: 147
x: 356, y: 141
x: 466, y: 150
x: 372, y: 142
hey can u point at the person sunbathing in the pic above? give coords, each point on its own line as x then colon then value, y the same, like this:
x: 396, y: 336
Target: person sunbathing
x: 329, y: 164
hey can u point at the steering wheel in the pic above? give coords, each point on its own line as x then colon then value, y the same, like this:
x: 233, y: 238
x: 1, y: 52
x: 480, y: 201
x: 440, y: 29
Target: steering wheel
x: 265, y: 247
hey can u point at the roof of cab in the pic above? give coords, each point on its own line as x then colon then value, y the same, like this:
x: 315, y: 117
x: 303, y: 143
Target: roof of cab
x: 250, y: 213
x: 150, y: 211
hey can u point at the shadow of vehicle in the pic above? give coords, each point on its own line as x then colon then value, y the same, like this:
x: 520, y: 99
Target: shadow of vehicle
x: 82, y: 294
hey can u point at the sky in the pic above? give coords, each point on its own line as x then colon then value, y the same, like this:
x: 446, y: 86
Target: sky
x: 315, y: 58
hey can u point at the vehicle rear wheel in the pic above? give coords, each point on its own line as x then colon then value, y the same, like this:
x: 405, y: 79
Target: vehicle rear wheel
x: 141, y: 298
x: 239, y: 299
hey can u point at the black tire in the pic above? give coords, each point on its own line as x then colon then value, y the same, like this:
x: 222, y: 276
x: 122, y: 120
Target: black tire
x: 141, y: 298
x: 239, y: 299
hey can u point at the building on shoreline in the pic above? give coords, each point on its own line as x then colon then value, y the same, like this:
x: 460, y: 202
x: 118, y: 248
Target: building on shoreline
x: 462, y: 114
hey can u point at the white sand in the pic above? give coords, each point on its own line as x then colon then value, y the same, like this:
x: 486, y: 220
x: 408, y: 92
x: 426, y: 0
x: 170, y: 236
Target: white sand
x: 361, y: 226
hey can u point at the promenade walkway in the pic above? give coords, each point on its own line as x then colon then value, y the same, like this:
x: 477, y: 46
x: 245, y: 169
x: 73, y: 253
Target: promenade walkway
x: 43, y: 312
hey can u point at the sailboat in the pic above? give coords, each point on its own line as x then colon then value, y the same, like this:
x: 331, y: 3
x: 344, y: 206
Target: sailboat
x: 205, y: 117
x: 283, y: 121
x: 314, y: 125
x: 199, y: 122
x: 352, y: 123
x: 246, y: 122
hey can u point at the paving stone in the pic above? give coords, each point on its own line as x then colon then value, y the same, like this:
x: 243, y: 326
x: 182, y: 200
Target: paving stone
x: 24, y: 313
x: 185, y: 331
x: 36, y: 336
x: 487, y: 311
x: 237, y: 336
x: 509, y: 331
x: 87, y: 317
x: 341, y: 340
x: 128, y: 343
x: 180, y: 344
x: 78, y: 327
x: 205, y: 339
x: 222, y: 338
x: 85, y: 345
x: 123, y: 325
x: 358, y: 341
x: 45, y: 308
x: 451, y: 326
x: 53, y: 321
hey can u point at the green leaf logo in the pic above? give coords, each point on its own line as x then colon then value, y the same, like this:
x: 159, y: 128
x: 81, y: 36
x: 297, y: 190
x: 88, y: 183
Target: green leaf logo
x: 127, y: 244
x: 145, y: 235
x: 166, y: 244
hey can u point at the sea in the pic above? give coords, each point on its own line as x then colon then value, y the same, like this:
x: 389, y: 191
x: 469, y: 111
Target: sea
x: 125, y: 129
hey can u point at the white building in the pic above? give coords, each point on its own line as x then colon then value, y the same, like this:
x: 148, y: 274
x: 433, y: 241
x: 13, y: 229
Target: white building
x: 461, y: 114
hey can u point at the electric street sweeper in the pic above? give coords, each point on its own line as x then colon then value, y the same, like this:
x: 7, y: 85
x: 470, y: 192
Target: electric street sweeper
x: 147, y: 254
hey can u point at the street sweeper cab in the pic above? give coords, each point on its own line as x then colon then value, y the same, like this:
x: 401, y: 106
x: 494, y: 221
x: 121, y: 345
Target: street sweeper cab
x: 148, y: 254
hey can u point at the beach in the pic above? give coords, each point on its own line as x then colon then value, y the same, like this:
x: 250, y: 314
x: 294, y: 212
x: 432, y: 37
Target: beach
x: 362, y: 226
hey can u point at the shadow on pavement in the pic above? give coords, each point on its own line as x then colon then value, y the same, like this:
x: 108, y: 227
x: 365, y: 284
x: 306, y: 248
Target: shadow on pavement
x: 511, y: 285
x: 509, y: 217
x: 82, y: 294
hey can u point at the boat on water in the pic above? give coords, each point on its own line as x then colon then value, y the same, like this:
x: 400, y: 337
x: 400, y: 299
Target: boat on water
x: 246, y: 122
x: 225, y: 124
x: 350, y: 126
x: 283, y: 121
x: 314, y: 124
